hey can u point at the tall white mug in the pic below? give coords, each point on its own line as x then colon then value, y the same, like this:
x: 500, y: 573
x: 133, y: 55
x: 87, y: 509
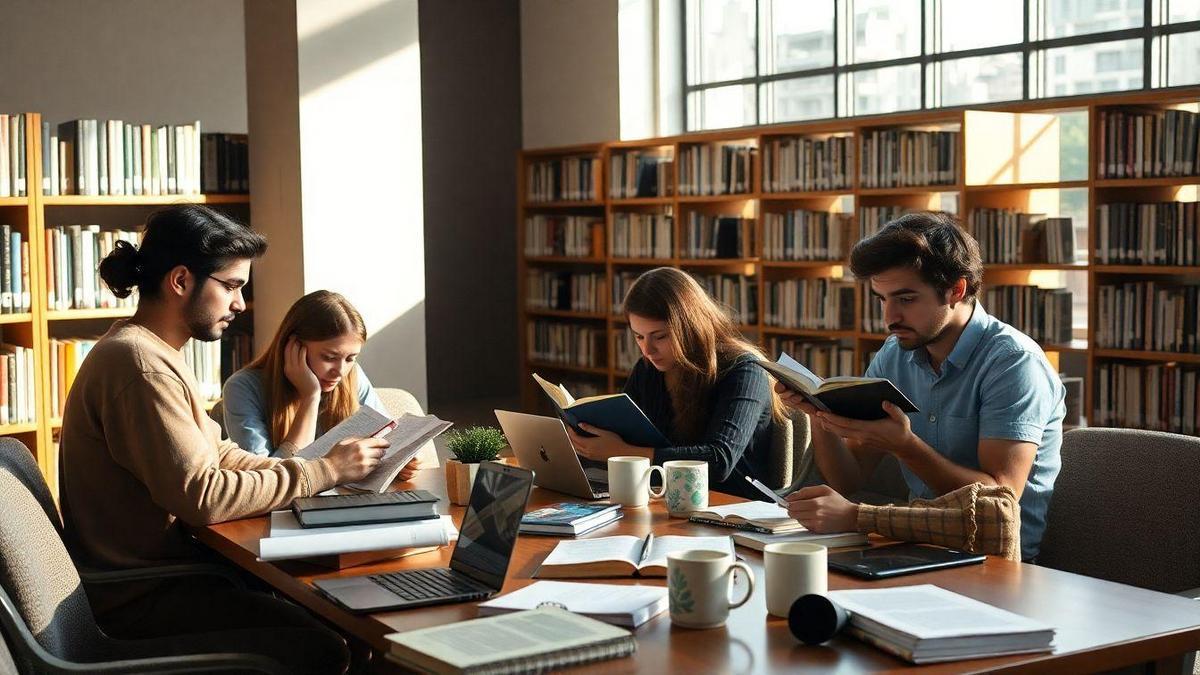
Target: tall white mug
x: 629, y: 481
x: 793, y: 569
x: 698, y: 586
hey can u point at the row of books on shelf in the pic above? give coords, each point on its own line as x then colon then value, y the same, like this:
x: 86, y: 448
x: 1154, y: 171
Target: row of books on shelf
x: 225, y: 163
x: 113, y: 157
x: 1148, y: 315
x: 737, y: 292
x: 1163, y: 233
x: 65, y: 358
x: 871, y: 219
x: 825, y: 358
x: 1007, y: 237
x: 568, y: 236
x: 639, y: 174
x: 626, y: 351
x: 566, y: 344
x: 73, y: 255
x: 15, y: 289
x: 13, y: 154
x: 908, y: 158
x: 17, y: 375
x: 1145, y: 144
x: 566, y: 291
x: 1162, y: 397
x: 643, y: 235
x: 204, y: 358
x: 810, y: 304
x: 713, y: 236
x: 806, y: 235
x: 1043, y: 314
x: 800, y: 164
x: 716, y: 169
x: 563, y: 179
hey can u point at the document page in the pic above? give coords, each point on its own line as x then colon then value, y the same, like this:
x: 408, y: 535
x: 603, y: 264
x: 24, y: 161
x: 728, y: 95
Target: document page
x: 624, y: 548
x: 361, y: 424
x: 928, y: 611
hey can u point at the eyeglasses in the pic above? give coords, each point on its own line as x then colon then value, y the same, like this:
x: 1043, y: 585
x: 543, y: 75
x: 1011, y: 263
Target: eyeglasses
x: 231, y: 286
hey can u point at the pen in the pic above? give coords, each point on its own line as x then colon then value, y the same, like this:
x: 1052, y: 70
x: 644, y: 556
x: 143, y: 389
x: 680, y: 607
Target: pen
x: 768, y: 492
x: 646, y: 544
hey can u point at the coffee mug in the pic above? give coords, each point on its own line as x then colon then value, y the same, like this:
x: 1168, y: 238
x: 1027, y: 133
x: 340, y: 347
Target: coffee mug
x: 698, y: 586
x: 629, y: 481
x: 793, y: 569
x: 685, y: 486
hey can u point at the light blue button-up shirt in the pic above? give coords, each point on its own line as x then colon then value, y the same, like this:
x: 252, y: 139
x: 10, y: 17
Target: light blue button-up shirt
x: 996, y: 383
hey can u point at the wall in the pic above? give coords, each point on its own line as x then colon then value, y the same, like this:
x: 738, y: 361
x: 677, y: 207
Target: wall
x: 471, y: 119
x: 136, y: 60
x: 569, y: 72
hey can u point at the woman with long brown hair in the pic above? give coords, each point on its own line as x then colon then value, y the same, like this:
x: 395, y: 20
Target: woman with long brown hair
x: 697, y: 383
x: 306, y: 382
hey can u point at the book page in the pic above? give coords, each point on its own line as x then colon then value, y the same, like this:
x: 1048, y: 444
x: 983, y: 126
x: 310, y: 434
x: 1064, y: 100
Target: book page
x: 792, y: 364
x: 581, y: 598
x: 623, y: 548
x: 505, y: 637
x: 754, y: 510
x: 674, y: 542
x: 557, y: 393
x: 928, y: 611
x: 362, y: 424
x: 407, y: 437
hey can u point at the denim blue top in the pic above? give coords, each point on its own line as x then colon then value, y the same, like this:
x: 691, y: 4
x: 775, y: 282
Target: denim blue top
x: 996, y: 383
x: 245, y: 404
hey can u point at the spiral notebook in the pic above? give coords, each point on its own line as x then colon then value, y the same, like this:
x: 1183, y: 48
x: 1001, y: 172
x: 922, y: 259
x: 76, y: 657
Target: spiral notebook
x: 536, y: 640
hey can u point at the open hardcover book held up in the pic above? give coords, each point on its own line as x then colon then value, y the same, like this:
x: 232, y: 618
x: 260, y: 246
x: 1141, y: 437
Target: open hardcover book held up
x: 622, y: 555
x: 859, y: 398
x: 613, y: 412
x: 405, y: 434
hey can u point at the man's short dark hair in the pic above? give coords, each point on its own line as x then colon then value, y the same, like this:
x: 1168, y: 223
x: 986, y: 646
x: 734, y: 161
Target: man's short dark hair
x: 930, y: 242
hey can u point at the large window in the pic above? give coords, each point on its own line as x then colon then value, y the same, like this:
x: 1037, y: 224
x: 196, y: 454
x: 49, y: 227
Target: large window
x: 750, y: 62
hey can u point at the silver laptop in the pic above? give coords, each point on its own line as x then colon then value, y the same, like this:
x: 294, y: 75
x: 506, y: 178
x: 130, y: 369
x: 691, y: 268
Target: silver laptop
x: 541, y: 444
x: 479, y: 562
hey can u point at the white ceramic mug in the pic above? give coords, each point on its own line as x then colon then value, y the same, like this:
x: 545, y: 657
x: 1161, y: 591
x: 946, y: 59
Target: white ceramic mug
x: 698, y: 587
x: 685, y: 486
x: 793, y: 569
x: 629, y: 481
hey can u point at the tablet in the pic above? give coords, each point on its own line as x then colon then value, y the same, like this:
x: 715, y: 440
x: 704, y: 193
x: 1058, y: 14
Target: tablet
x: 882, y: 562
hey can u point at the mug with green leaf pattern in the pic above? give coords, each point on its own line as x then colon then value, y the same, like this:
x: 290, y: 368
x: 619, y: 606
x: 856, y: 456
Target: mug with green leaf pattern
x: 684, y: 486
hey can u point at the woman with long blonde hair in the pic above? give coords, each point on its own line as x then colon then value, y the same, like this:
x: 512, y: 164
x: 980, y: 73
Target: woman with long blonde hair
x: 306, y: 382
x: 697, y: 383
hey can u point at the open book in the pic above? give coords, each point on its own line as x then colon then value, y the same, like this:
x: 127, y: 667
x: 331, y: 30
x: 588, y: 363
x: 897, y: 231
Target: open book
x: 405, y: 434
x: 622, y: 556
x: 621, y: 605
x: 859, y: 398
x: 613, y: 412
x: 753, y: 515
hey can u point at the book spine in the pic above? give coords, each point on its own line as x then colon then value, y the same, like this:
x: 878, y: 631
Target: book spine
x: 748, y: 527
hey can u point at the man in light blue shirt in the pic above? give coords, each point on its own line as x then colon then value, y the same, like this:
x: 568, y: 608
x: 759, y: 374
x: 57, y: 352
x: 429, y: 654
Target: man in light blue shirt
x: 991, y: 406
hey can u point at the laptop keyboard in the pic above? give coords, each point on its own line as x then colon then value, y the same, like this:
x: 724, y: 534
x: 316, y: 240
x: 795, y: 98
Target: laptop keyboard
x: 440, y: 582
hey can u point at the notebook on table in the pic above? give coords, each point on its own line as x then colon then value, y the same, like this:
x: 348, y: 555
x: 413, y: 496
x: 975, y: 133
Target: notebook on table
x: 569, y: 519
x: 758, y: 540
x: 620, y: 605
x: 537, y: 640
x: 754, y: 516
x: 622, y: 556
x: 365, y: 508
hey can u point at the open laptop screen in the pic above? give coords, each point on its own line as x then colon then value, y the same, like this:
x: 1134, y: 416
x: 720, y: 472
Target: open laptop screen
x: 489, y: 527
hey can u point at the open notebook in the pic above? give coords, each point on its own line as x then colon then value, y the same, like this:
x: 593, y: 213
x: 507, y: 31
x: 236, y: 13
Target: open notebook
x: 613, y: 412
x: 859, y: 398
x: 622, y: 555
x: 755, y: 516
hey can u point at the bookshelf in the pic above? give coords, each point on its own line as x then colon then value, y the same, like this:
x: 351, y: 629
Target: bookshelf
x: 1005, y: 158
x: 32, y: 216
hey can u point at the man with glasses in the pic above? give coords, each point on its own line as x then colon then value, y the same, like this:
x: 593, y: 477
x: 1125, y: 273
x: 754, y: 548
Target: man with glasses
x: 140, y: 458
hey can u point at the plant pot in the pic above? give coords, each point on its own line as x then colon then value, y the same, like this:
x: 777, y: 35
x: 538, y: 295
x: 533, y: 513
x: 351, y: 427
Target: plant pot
x: 459, y: 480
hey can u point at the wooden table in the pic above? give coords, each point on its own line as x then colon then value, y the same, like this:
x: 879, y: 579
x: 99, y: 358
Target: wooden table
x: 1101, y: 625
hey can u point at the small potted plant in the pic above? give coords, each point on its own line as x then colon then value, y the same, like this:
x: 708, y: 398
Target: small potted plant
x: 469, y: 446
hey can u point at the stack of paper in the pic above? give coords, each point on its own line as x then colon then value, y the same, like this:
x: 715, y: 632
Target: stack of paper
x: 621, y: 605
x: 928, y: 624
x: 289, y: 540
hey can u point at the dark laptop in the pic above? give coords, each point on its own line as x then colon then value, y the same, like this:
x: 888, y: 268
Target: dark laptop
x: 477, y: 566
x: 893, y: 560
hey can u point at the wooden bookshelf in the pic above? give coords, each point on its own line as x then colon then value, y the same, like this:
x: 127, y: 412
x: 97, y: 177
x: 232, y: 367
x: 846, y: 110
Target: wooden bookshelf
x: 33, y: 329
x: 1007, y: 158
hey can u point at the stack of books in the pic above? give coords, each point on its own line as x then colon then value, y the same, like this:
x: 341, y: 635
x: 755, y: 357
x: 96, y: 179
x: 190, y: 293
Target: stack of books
x: 643, y: 235
x: 716, y: 169
x: 806, y: 235
x: 566, y: 291
x: 738, y: 292
x: 563, y: 179
x: 15, y: 289
x: 13, y: 156
x: 566, y: 343
x: 929, y: 624
x: 17, y: 402
x: 1143, y: 144
x: 826, y: 358
x: 812, y: 304
x: 569, y: 519
x: 800, y: 164
x: 709, y: 236
x: 1164, y: 397
x: 113, y: 157
x: 564, y: 236
x: 1148, y: 234
x: 906, y: 157
x: 1148, y: 315
x: 73, y: 255
x: 1043, y: 314
x: 872, y: 218
x: 639, y: 174
x: 365, y: 509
